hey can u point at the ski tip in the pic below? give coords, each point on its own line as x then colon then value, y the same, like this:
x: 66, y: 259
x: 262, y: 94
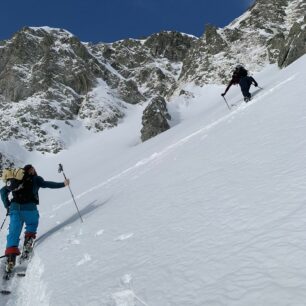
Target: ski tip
x: 21, y: 274
x: 5, y: 292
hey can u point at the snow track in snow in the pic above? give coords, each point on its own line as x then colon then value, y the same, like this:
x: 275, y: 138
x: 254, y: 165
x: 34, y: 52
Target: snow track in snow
x: 31, y: 290
x: 158, y: 155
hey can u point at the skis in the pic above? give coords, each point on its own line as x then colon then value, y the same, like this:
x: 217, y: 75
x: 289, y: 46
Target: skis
x: 7, y: 279
x: 19, y: 270
x: 240, y: 102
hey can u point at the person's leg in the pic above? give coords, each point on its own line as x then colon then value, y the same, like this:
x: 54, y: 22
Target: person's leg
x: 15, y: 228
x: 245, y: 88
x: 31, y: 221
x: 246, y: 95
x: 12, y: 243
x: 31, y: 218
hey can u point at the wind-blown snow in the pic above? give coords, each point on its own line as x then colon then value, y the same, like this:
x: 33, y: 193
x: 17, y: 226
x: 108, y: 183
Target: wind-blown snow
x: 209, y: 213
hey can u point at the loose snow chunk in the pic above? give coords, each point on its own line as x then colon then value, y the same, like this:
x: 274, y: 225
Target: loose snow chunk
x: 124, y: 237
x: 124, y: 298
x: 86, y: 258
x: 100, y: 232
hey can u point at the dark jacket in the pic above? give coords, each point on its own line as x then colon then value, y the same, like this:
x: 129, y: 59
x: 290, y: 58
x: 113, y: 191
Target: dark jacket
x: 234, y: 81
x: 245, y: 83
x: 33, y: 199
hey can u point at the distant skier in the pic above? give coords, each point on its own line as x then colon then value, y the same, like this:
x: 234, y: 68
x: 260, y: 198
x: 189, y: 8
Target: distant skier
x: 22, y: 209
x: 240, y: 76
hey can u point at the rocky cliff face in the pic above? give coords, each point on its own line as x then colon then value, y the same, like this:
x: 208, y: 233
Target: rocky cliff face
x: 294, y: 46
x: 50, y: 81
x: 152, y: 65
x: 48, y: 77
x: 45, y: 76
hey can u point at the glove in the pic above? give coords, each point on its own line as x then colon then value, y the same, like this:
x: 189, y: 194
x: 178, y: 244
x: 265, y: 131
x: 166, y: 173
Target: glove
x: 223, y: 94
x: 66, y: 182
x: 256, y: 85
x: 7, y: 211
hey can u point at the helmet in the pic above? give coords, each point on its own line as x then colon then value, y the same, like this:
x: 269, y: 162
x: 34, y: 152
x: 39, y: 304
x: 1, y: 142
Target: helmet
x: 237, y: 67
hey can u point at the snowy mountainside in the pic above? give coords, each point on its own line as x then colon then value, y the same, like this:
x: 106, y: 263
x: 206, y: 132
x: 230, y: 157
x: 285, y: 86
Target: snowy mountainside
x: 53, y: 85
x: 210, y: 212
x: 49, y: 82
x: 256, y: 38
x: 46, y: 80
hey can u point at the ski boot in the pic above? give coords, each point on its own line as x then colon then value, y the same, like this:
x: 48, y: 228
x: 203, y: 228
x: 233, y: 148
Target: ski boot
x: 247, y: 99
x: 9, y: 266
x: 27, y: 248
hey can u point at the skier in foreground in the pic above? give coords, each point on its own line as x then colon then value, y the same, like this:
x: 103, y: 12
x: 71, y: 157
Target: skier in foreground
x: 240, y: 76
x: 23, y: 209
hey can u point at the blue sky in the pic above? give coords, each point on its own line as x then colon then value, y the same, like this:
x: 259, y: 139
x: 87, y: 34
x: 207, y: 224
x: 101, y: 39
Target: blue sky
x: 111, y: 20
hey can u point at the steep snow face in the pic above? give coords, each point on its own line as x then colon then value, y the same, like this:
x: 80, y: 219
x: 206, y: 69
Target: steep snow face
x: 210, y: 212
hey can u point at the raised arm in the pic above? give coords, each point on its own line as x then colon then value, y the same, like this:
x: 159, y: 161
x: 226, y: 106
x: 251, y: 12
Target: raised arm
x: 48, y: 184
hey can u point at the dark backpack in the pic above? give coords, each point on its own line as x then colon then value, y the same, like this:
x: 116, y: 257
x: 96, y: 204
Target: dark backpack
x: 240, y: 71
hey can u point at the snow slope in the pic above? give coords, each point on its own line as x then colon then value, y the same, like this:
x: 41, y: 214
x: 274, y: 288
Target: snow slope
x: 209, y: 213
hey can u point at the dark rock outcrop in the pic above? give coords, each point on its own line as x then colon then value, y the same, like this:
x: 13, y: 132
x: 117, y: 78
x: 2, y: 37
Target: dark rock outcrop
x: 294, y: 46
x: 154, y: 119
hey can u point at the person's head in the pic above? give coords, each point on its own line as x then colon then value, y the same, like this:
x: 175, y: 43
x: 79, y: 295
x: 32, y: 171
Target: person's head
x: 29, y: 169
x: 239, y: 66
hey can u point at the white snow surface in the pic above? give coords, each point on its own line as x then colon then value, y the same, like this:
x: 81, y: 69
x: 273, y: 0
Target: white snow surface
x: 210, y: 213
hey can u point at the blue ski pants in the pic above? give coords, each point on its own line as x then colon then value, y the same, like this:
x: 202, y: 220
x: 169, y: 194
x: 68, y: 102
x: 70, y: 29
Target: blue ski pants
x: 17, y: 220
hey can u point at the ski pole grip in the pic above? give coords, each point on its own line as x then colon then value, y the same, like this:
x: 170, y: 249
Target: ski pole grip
x: 61, y: 169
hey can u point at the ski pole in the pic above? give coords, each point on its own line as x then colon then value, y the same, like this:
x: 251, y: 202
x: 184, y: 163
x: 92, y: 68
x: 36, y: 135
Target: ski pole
x: 61, y: 169
x: 226, y: 103
x: 3, y: 222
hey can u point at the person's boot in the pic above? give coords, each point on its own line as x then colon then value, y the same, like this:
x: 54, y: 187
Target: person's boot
x: 10, y: 253
x: 10, y: 263
x: 27, y: 246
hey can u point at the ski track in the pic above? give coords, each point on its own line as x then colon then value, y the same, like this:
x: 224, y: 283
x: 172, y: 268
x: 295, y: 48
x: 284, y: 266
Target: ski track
x: 158, y: 155
x: 127, y: 296
x: 30, y: 290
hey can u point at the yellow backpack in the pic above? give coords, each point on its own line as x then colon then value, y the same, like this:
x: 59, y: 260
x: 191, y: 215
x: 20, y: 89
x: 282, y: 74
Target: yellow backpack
x: 12, y: 177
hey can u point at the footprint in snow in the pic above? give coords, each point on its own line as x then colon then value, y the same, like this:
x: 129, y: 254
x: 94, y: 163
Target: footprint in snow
x: 126, y: 280
x: 86, y: 258
x: 124, y: 237
x: 100, y: 232
x: 74, y: 241
x: 124, y: 298
x: 127, y: 297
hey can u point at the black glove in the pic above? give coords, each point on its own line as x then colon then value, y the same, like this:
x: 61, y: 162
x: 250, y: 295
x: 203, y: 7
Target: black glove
x: 256, y: 85
x: 223, y: 94
x: 7, y: 211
